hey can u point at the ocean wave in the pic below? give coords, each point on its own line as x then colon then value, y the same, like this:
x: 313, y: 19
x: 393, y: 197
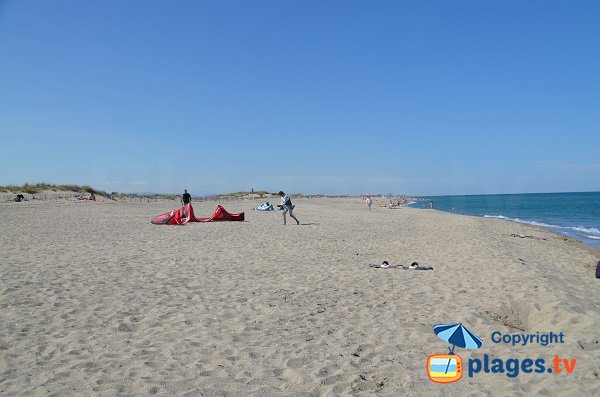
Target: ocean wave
x: 580, y: 229
x: 593, y: 237
x: 590, y: 230
x: 534, y: 223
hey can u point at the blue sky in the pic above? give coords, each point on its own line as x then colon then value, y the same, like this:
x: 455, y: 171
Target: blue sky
x: 340, y: 97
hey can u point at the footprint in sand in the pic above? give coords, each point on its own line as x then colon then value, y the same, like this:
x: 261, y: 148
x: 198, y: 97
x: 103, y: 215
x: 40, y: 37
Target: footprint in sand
x: 589, y: 344
x: 296, y: 362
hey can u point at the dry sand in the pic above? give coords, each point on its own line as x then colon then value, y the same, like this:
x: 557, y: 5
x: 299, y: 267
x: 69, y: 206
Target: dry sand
x: 95, y: 300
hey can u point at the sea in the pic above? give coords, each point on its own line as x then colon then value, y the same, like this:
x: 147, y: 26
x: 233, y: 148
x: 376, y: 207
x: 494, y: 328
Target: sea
x: 575, y: 215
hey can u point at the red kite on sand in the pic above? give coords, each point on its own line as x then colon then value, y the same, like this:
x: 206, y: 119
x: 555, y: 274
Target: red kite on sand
x: 184, y: 215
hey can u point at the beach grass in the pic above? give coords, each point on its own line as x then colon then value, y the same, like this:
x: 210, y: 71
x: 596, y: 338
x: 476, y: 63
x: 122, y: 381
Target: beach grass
x: 161, y: 196
x: 42, y: 186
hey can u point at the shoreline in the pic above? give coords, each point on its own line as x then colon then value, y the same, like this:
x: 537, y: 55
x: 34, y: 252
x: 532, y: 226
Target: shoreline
x: 557, y: 235
x: 545, y: 211
x: 569, y: 239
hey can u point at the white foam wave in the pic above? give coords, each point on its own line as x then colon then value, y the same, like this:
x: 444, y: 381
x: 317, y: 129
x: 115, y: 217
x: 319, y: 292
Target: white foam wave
x: 593, y: 237
x: 580, y: 229
x: 590, y: 230
x: 522, y: 221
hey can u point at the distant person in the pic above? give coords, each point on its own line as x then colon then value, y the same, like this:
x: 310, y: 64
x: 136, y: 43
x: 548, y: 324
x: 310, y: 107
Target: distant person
x: 369, y: 202
x: 431, y: 204
x: 92, y: 197
x: 186, y: 198
x: 287, y: 205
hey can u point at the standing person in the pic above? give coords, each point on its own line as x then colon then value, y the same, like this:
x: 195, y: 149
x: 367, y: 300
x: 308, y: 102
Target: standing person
x: 286, y: 202
x: 369, y: 202
x: 431, y: 204
x: 186, y: 198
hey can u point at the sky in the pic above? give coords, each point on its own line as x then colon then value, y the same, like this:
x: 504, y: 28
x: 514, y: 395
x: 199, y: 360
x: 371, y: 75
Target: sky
x: 335, y: 97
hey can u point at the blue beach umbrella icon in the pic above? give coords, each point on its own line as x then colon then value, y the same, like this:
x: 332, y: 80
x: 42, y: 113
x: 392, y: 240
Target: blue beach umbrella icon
x: 457, y: 335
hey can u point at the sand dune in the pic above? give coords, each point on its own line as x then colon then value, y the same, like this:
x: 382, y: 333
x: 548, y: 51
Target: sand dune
x: 95, y: 300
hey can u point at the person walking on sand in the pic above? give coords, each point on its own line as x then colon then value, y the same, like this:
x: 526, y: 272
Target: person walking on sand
x: 369, y: 202
x: 186, y: 198
x: 287, y: 205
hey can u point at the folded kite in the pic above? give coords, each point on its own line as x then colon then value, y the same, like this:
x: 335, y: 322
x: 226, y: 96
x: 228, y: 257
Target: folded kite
x: 184, y: 215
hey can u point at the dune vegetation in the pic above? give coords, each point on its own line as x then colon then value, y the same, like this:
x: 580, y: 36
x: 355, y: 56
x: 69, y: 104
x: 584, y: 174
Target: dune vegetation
x: 42, y: 186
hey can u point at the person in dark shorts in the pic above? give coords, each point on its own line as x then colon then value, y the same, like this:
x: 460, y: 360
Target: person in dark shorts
x: 186, y: 198
x: 286, y: 202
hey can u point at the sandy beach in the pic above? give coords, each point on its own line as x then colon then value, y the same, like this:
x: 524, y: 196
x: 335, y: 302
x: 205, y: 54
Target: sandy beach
x: 96, y: 300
